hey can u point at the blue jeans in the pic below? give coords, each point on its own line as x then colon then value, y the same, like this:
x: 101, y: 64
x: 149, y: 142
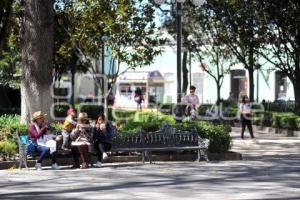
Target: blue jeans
x: 44, y: 151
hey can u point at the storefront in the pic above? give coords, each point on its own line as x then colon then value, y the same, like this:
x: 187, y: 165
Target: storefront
x: 150, y: 83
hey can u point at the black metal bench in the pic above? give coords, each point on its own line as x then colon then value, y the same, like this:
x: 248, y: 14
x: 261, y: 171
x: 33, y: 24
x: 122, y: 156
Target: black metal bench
x: 166, y: 139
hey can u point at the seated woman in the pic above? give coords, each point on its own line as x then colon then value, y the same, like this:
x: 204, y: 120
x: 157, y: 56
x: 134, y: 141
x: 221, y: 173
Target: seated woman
x: 81, y: 138
x: 102, y: 138
x: 42, y: 138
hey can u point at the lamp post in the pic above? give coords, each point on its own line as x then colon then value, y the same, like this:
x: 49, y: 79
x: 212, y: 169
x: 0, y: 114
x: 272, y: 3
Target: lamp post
x: 179, y: 36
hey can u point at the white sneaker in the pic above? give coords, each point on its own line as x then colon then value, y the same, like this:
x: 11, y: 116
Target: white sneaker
x: 55, y: 166
x: 98, y: 164
x: 105, y: 156
x: 38, y: 166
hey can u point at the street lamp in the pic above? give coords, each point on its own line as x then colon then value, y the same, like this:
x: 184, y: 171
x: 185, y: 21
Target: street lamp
x: 179, y: 36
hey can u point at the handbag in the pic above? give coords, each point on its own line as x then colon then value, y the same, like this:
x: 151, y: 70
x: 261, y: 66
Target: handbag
x: 31, y: 148
x: 74, y: 135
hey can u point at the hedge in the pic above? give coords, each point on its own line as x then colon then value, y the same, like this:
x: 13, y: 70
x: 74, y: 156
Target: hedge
x: 279, y: 120
x: 148, y: 121
x: 219, y: 135
x: 280, y: 106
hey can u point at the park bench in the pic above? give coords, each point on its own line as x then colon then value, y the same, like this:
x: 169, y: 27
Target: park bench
x: 167, y: 138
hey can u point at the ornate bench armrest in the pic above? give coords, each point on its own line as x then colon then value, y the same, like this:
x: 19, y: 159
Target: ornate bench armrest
x: 203, y: 143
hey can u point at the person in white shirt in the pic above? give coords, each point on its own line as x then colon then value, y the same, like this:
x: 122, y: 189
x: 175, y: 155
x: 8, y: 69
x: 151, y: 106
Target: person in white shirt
x: 192, y: 101
x: 246, y: 113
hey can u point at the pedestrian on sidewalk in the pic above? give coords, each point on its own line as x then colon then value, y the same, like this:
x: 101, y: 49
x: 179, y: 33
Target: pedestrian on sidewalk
x: 246, y: 114
x: 138, y: 98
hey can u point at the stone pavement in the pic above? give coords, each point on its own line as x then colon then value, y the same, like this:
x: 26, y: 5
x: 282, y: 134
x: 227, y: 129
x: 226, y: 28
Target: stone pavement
x: 270, y: 170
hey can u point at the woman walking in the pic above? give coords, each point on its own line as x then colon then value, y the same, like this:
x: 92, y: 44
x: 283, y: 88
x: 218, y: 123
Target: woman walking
x: 245, y: 110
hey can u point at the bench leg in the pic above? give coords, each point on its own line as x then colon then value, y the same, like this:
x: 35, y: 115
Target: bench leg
x: 205, y: 154
x: 143, y: 157
x: 25, y: 163
x: 23, y: 157
x: 198, y: 155
x: 20, y: 163
x: 150, y: 156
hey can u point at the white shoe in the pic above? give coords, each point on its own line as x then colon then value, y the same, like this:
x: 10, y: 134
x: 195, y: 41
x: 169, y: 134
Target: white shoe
x: 98, y: 164
x: 55, y: 166
x: 105, y: 156
x: 38, y: 166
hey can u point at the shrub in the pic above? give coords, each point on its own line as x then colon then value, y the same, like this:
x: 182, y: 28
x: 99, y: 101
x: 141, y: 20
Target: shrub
x: 123, y: 115
x: 230, y: 112
x: 280, y: 106
x: 276, y: 120
x: 61, y: 110
x: 7, y: 149
x: 289, y: 121
x: 298, y: 123
x: 220, y: 140
x: 285, y: 120
x: 166, y: 108
x: 9, y: 121
x: 147, y: 121
x: 153, y: 117
x: 92, y: 110
x: 266, y: 119
x: 219, y: 135
x: 57, y: 127
x: 203, y: 108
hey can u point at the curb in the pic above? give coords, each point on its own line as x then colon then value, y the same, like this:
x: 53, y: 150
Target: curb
x: 228, y: 156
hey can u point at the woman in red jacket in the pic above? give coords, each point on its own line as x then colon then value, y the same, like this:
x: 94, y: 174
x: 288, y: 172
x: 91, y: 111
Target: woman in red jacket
x: 38, y: 134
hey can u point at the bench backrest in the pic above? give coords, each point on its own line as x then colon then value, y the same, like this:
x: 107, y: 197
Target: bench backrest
x: 167, y: 136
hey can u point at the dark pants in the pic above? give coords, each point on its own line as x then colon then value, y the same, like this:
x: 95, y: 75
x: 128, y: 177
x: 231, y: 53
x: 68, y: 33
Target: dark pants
x: 75, y: 154
x: 44, y: 151
x: 101, y: 147
x: 246, y: 122
x: 82, y: 152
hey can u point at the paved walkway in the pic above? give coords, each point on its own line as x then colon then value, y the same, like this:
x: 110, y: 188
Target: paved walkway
x: 270, y: 170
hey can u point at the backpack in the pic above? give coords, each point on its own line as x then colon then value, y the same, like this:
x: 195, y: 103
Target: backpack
x: 111, y: 130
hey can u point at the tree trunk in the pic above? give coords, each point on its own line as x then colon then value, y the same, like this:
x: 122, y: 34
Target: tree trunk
x: 185, y: 73
x: 37, y: 54
x: 251, y: 84
x: 296, y: 85
x: 218, y: 93
x: 251, y: 74
x: 73, y: 72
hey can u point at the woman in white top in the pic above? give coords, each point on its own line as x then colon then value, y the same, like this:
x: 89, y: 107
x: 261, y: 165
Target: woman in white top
x: 245, y: 110
x: 192, y: 101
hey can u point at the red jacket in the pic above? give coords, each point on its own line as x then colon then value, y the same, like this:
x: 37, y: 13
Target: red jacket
x: 34, y: 134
